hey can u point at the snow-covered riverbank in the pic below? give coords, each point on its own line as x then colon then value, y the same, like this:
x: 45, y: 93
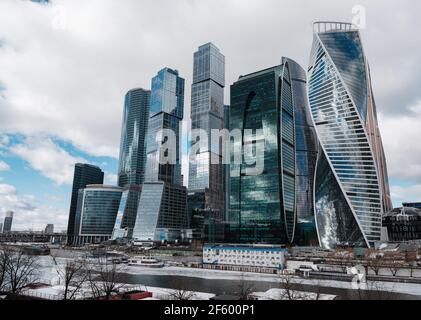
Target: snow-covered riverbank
x: 49, y: 274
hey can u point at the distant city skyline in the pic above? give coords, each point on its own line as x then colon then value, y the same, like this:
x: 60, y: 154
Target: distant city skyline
x: 62, y: 89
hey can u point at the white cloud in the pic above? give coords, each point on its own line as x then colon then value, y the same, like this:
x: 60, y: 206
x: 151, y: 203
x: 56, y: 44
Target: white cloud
x: 43, y: 155
x: 110, y: 179
x: 27, y: 215
x: 70, y: 83
x: 406, y: 193
x: 401, y: 136
x: 4, y: 166
x: 4, y: 140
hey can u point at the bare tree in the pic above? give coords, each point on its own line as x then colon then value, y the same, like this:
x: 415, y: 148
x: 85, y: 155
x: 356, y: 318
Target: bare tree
x: 245, y: 289
x: 106, y: 280
x: 21, y: 271
x: 375, y: 264
x: 411, y: 260
x: 72, y: 276
x: 180, y: 293
x: 289, y: 285
x: 395, y: 267
x: 4, y: 258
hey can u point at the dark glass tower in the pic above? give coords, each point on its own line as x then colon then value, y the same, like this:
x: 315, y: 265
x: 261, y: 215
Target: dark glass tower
x: 262, y: 207
x: 351, y: 187
x: 96, y: 213
x: 84, y: 175
x: 306, y: 157
x: 207, y: 113
x: 131, y: 172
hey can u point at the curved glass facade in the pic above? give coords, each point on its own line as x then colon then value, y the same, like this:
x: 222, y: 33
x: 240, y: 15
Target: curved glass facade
x: 306, y: 157
x: 132, y: 160
x: 335, y: 221
x: 99, y: 210
x: 262, y: 207
x: 338, y: 91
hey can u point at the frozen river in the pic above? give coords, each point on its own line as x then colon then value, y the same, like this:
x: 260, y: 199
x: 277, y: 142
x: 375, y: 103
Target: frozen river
x: 227, y: 282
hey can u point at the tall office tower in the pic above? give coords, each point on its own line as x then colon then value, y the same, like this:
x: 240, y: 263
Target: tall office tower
x: 262, y: 207
x: 167, y: 112
x: 161, y: 215
x: 132, y: 163
x: 1, y: 227
x: 306, y: 157
x: 351, y: 187
x: 96, y: 213
x: 207, y: 113
x: 133, y: 137
x: 84, y: 175
x: 8, y: 220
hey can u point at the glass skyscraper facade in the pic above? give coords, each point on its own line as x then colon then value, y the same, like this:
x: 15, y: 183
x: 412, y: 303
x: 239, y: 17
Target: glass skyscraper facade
x: 132, y: 163
x: 263, y: 207
x: 133, y: 136
x: 167, y: 112
x: 306, y: 157
x: 207, y: 113
x: 351, y: 187
x: 84, y: 175
x: 98, y: 208
x: 162, y: 213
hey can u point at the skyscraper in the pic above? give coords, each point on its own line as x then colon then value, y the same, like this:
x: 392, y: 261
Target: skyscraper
x: 8, y: 220
x: 207, y: 113
x: 132, y: 163
x: 167, y: 112
x: 305, y: 155
x: 161, y: 215
x: 96, y: 213
x: 351, y: 187
x: 84, y: 175
x: 262, y: 207
x: 133, y: 136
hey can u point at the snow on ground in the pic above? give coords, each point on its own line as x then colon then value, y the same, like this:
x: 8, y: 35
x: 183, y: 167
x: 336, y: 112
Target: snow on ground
x: 408, y: 288
x: 280, y: 294
x: 56, y: 292
x: 49, y: 275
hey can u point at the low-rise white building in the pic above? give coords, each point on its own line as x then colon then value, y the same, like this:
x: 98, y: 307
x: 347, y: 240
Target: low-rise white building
x: 261, y: 256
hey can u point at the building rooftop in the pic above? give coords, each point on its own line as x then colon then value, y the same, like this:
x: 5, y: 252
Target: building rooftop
x: 259, y: 73
x: 405, y: 211
x: 333, y: 26
x: 103, y: 187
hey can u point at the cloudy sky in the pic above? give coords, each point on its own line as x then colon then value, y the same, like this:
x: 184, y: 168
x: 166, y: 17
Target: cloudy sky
x: 66, y: 65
